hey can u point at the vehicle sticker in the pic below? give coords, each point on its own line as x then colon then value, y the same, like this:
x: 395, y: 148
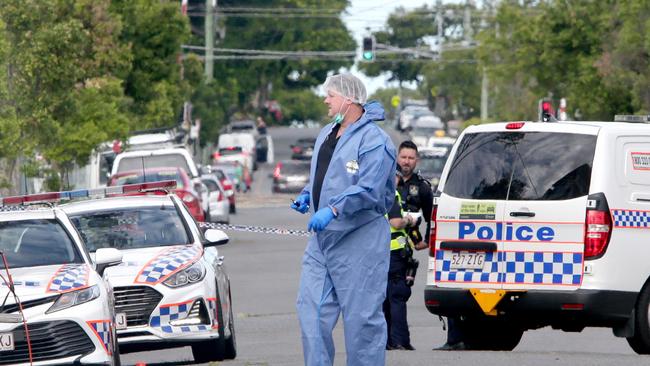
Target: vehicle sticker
x: 103, y: 330
x: 168, y: 262
x: 631, y: 218
x: 478, y: 211
x: 352, y: 166
x: 69, y: 277
x: 640, y: 160
x: 161, y: 317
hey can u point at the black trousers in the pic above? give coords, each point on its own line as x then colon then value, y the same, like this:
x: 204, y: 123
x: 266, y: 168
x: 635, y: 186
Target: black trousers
x: 397, y: 294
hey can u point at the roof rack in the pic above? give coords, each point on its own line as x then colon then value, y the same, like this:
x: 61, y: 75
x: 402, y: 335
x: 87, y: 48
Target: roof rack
x: 52, y: 197
x: 632, y: 118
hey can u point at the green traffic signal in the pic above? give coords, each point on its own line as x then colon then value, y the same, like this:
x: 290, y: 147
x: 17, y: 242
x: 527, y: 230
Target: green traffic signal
x: 368, y: 56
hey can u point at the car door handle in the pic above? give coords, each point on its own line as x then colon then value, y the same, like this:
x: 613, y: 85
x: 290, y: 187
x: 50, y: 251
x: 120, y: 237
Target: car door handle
x: 485, y: 246
x: 522, y: 214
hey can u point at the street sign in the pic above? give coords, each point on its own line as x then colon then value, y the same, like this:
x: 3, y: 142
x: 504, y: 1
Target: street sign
x: 395, y: 100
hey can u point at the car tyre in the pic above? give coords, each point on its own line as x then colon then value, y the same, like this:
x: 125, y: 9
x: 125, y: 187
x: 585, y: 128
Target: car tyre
x: 233, y: 209
x: 231, y: 342
x: 640, y: 341
x: 213, y: 349
x: 504, y: 336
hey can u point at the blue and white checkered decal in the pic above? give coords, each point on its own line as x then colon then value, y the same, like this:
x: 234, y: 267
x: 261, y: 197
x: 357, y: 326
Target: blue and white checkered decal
x: 168, y: 262
x: 69, y: 277
x: 631, y: 218
x: 103, y: 331
x: 558, y: 268
x: 161, y: 317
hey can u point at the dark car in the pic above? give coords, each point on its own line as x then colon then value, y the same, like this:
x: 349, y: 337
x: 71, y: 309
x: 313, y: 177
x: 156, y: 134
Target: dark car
x: 290, y: 176
x: 303, y: 148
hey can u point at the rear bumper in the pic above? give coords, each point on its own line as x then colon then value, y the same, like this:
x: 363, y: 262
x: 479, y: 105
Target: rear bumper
x: 537, y: 308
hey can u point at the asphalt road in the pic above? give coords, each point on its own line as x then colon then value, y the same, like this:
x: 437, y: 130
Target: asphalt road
x: 264, y: 272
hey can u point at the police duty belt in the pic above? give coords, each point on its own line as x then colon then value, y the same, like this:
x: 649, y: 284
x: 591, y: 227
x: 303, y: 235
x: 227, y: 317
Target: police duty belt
x: 254, y: 229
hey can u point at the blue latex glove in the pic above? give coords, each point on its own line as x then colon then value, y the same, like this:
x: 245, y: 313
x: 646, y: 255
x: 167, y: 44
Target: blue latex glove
x: 320, y: 219
x: 301, y: 204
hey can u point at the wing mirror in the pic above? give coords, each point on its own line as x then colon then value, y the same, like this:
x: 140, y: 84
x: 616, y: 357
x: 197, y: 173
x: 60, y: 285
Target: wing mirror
x: 107, y: 257
x: 215, y: 237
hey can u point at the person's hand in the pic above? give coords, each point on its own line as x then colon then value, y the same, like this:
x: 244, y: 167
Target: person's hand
x: 409, y: 220
x: 301, y: 204
x: 421, y: 245
x: 320, y: 219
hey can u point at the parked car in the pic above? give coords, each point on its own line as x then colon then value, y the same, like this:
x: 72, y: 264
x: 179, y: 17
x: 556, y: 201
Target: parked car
x: 219, y: 207
x: 185, y: 188
x: 290, y: 176
x: 228, y: 186
x: 237, y: 172
x: 303, y: 148
x: 172, y: 289
x: 243, y: 143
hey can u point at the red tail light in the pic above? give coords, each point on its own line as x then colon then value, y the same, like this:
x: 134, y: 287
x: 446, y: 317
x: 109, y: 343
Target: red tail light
x: 227, y: 185
x: 514, y: 125
x: 216, y: 155
x: 432, y: 233
x: 598, y: 228
x: 296, y: 149
x: 276, y: 171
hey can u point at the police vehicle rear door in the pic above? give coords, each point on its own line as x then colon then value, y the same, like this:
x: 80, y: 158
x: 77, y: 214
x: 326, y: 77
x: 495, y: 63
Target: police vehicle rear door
x: 512, y: 211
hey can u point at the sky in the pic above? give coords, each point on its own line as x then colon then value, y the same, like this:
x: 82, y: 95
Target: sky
x: 363, y: 14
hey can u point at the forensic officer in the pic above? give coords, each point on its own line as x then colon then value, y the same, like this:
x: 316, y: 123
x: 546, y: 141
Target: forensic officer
x: 345, y: 265
x: 398, y: 291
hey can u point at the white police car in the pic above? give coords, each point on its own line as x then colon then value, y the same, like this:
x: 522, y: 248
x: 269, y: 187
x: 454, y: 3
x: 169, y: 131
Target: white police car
x: 171, y: 288
x: 544, y: 224
x: 67, y: 306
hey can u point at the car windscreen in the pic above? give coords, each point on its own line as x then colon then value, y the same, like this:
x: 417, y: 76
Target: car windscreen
x: 295, y: 169
x: 522, y: 166
x: 131, y: 228
x: 30, y: 243
x: 432, y: 164
x: 212, y: 185
x: 153, y: 161
x: 149, y: 177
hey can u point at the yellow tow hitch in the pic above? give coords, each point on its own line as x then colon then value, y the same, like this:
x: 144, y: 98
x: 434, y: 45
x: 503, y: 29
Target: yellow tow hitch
x: 488, y: 299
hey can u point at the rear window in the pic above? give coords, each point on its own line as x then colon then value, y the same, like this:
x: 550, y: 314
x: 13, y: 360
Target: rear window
x: 522, y: 166
x: 149, y: 177
x: 153, y: 161
x: 295, y: 169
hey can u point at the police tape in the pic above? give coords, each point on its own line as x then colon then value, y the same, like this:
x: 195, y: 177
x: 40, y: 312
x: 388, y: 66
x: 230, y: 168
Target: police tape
x: 253, y: 229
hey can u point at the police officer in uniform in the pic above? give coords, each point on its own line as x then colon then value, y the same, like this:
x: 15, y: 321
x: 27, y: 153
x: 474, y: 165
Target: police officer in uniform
x: 416, y: 193
x: 398, y: 290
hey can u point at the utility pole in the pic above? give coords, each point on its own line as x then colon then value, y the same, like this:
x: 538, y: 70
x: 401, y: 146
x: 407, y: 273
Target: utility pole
x: 439, y: 22
x: 210, y: 7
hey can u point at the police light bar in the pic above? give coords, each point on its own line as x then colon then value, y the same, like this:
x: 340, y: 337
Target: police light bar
x: 87, y: 193
x: 631, y: 118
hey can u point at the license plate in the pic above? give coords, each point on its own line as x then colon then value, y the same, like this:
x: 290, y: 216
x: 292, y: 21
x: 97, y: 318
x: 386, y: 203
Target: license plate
x: 6, y: 342
x: 467, y: 260
x: 120, y: 320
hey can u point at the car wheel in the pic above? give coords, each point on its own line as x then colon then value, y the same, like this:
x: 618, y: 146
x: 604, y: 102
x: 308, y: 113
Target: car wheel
x: 213, y: 349
x: 504, y: 336
x: 231, y: 342
x: 233, y: 209
x: 640, y: 341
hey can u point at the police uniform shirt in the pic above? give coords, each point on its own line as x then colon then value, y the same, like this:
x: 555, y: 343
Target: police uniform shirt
x: 416, y: 194
x: 323, y: 161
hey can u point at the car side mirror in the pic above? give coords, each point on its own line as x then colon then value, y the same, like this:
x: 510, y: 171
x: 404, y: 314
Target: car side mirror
x: 214, y: 237
x: 107, y: 257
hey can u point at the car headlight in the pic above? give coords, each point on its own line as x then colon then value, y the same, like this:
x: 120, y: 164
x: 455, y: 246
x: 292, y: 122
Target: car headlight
x: 189, y: 275
x: 74, y: 298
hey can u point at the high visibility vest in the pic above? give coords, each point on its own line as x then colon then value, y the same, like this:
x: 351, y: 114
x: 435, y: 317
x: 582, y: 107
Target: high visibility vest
x: 398, y: 237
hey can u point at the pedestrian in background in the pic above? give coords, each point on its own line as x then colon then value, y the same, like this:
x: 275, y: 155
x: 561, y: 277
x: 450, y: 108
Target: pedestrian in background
x: 345, y: 265
x: 398, y: 291
x: 261, y: 126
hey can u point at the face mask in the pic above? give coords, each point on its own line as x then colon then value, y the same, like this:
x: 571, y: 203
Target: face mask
x: 338, y: 117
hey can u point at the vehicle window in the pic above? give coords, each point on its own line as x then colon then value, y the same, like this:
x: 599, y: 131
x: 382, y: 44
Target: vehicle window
x: 131, y: 228
x: 432, y: 164
x: 522, y: 166
x: 30, y: 243
x: 212, y: 186
x: 230, y: 151
x: 295, y: 168
x: 149, y: 177
x: 154, y: 161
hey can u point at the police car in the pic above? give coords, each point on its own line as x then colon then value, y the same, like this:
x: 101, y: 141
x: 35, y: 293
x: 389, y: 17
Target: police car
x: 61, y: 311
x: 544, y: 224
x: 171, y: 288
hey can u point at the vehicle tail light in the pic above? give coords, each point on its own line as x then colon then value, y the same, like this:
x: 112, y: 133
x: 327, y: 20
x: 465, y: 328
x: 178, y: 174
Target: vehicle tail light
x: 598, y: 228
x: 216, y: 155
x: 186, y: 196
x: 276, y: 171
x: 296, y: 149
x: 514, y: 125
x: 432, y: 233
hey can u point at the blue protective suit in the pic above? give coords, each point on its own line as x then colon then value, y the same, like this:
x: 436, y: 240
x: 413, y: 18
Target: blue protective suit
x: 345, y: 266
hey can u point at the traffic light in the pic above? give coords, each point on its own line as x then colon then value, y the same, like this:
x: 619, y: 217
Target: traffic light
x: 368, y: 49
x: 545, y: 109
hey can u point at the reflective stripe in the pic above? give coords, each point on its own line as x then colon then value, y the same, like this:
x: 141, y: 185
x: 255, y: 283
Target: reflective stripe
x: 397, y: 236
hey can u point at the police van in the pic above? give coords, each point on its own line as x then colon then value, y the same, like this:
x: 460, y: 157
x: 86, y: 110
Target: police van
x: 544, y: 224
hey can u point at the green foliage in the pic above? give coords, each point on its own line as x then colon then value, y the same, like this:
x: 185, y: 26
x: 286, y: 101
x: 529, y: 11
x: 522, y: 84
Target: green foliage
x: 385, y: 96
x: 300, y: 104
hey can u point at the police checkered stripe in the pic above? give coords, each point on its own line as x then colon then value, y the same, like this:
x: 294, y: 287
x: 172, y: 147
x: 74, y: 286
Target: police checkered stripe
x: 104, y: 332
x: 161, y: 317
x: 631, y: 218
x: 166, y: 263
x: 518, y: 267
x: 69, y: 277
x: 212, y: 307
x: 254, y: 229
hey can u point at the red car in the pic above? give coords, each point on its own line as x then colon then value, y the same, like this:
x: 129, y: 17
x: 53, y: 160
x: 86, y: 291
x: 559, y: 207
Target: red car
x: 184, y: 187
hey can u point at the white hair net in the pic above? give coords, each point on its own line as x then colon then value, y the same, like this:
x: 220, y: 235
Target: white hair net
x: 347, y: 85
